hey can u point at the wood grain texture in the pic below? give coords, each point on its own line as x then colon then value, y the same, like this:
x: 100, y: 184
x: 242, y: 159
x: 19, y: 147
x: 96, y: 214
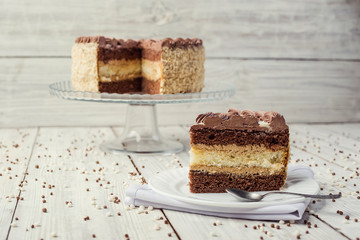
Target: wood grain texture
x: 303, y: 91
x: 15, y: 150
x: 335, y: 162
x: 263, y: 29
x: 66, y: 166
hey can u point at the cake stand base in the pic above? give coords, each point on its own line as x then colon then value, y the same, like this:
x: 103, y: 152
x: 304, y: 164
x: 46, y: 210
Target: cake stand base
x: 141, y: 134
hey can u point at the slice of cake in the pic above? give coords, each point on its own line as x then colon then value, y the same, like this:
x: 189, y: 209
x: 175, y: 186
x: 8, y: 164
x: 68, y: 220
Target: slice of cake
x: 102, y: 64
x: 239, y: 149
x: 172, y: 66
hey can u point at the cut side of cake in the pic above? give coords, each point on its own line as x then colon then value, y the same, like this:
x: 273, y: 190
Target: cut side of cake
x: 238, y: 149
x: 172, y: 66
x: 149, y: 66
x: 102, y: 64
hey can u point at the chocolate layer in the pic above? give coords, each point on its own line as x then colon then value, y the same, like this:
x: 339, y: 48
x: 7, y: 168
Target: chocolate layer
x: 119, y: 49
x: 125, y: 86
x: 150, y: 87
x: 111, y: 48
x: 209, y: 136
x: 247, y: 120
x: 203, y: 182
x: 152, y: 49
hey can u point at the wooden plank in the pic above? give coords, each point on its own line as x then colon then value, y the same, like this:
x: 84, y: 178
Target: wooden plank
x: 334, y: 178
x: 193, y: 226
x: 66, y: 166
x: 350, y: 132
x: 302, y: 91
x: 332, y: 146
x: 312, y: 145
x: 261, y: 29
x: 15, y: 150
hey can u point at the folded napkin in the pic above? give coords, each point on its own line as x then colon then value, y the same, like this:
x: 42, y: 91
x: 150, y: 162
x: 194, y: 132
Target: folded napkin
x: 143, y: 195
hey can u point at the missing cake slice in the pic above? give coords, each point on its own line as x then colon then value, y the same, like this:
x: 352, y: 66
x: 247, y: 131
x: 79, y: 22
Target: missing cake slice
x: 239, y: 149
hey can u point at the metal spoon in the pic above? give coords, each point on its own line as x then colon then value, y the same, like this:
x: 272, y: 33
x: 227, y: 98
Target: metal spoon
x: 255, y: 197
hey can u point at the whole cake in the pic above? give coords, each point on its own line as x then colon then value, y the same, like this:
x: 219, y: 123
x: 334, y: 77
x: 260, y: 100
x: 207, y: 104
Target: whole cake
x: 102, y: 64
x: 165, y: 66
x: 238, y: 149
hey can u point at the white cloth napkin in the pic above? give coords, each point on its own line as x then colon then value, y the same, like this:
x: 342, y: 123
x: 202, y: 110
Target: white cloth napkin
x: 144, y: 195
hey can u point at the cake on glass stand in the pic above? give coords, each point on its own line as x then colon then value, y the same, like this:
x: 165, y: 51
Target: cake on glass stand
x: 141, y: 134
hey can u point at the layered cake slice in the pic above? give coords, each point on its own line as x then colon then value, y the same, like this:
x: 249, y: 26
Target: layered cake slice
x: 102, y: 64
x: 172, y: 66
x: 239, y: 149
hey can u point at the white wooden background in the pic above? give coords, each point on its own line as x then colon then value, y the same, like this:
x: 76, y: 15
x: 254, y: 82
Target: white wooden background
x: 301, y: 58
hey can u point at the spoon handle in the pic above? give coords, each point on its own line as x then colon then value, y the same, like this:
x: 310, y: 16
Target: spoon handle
x: 334, y: 196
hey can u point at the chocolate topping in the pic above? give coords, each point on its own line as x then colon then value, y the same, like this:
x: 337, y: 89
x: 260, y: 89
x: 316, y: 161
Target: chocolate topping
x: 151, y: 49
x: 109, y: 42
x: 247, y: 119
x: 181, y: 43
x: 85, y: 39
x: 111, y: 48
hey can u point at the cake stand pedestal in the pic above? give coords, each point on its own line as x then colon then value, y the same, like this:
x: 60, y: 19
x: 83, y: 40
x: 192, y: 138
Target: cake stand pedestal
x: 141, y: 134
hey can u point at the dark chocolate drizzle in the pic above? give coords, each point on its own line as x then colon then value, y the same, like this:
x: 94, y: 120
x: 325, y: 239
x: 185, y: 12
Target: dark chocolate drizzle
x: 237, y: 119
x: 111, y: 48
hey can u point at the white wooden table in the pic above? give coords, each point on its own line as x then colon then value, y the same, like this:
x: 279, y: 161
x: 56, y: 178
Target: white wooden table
x: 55, y: 182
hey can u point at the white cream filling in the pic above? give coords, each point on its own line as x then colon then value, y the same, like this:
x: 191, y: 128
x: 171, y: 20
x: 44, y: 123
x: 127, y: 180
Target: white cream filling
x: 151, y: 70
x: 118, y: 70
x: 270, y: 160
x: 264, y: 124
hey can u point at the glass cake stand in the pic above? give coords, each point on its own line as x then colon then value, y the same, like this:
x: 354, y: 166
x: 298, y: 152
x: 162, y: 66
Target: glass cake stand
x: 141, y: 133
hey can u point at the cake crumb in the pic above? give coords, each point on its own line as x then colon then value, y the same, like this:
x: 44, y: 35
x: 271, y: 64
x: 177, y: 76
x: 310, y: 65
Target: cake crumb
x: 157, y: 227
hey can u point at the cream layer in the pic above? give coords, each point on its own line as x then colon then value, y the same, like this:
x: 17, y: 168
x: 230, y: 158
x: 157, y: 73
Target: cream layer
x: 151, y: 70
x: 84, y: 74
x: 239, y: 156
x: 119, y: 70
x: 238, y: 149
x: 241, y: 170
